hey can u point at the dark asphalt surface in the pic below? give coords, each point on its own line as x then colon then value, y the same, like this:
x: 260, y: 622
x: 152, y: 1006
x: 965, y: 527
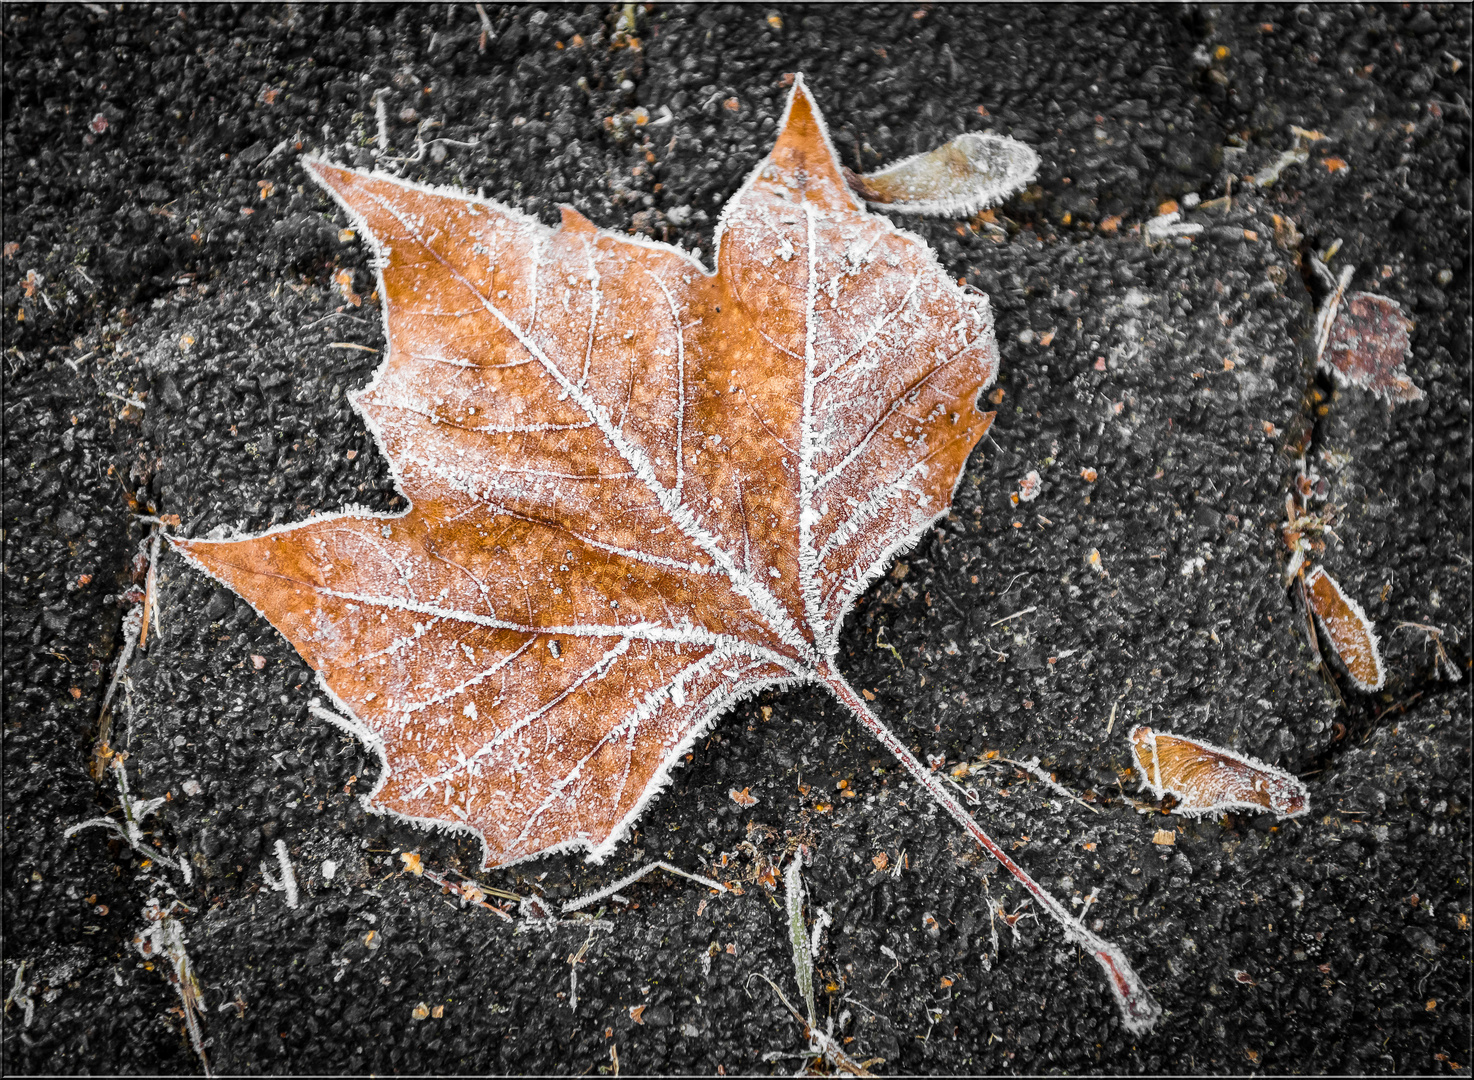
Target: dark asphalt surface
x: 164, y: 248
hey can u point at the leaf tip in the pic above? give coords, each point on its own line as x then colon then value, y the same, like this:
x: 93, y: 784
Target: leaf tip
x: 574, y: 220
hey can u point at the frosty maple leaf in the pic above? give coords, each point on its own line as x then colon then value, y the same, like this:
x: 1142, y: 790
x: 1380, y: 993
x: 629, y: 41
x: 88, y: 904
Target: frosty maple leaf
x: 639, y: 491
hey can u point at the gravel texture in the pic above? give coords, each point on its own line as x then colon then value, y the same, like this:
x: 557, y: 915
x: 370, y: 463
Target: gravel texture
x: 175, y: 317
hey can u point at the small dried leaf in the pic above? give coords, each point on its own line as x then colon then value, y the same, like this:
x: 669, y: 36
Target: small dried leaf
x: 1164, y: 838
x: 957, y: 179
x: 742, y: 798
x: 1208, y: 779
x: 1347, y: 628
x: 1367, y: 345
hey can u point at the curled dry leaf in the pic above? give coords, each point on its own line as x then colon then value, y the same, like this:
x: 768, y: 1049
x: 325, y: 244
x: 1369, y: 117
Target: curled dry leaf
x: 1369, y: 344
x: 1365, y: 340
x: 682, y: 478
x: 1347, y: 628
x: 1208, y: 779
x: 958, y: 178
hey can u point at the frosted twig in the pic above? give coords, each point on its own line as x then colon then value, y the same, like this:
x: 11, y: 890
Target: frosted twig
x: 1015, y: 615
x: 1325, y: 318
x: 472, y: 893
x: 1168, y: 226
x: 1088, y: 901
x: 487, y: 34
x: 275, y: 150
x: 1446, y: 667
x: 164, y: 936
x: 18, y: 995
x: 1139, y: 1010
x: 288, y: 879
x: 287, y: 883
x: 611, y: 889
x: 1297, y: 155
x: 381, y: 115
x: 820, y: 1044
x: 150, y: 588
x: 574, y: 959
x: 1033, y: 768
x: 132, y: 623
x: 131, y: 831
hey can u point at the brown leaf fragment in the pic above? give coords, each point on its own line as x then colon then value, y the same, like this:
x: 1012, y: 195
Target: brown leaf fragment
x: 1367, y: 345
x: 1347, y: 628
x: 637, y: 1013
x: 1208, y: 779
x: 957, y: 179
x: 742, y: 798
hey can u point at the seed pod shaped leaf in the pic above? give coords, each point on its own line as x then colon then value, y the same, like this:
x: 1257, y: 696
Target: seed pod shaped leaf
x: 957, y: 178
x: 1347, y: 628
x: 1208, y: 779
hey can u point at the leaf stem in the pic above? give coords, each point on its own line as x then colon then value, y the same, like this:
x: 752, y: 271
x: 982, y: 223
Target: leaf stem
x: 1139, y: 1010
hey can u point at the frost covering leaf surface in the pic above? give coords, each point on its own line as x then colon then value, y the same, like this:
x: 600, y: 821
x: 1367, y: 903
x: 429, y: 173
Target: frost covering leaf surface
x: 639, y: 490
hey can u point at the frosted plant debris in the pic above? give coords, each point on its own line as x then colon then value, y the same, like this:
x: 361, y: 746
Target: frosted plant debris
x: 163, y: 937
x: 629, y: 879
x: 1348, y: 629
x: 1367, y: 344
x: 131, y: 831
x: 1208, y: 779
x: 959, y: 178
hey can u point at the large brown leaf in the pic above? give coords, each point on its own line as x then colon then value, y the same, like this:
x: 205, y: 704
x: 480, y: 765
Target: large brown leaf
x: 639, y: 490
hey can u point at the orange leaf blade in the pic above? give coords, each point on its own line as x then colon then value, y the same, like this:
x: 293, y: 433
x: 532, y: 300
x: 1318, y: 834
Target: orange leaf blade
x: 639, y: 489
x: 1347, y: 627
x: 1209, y: 779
